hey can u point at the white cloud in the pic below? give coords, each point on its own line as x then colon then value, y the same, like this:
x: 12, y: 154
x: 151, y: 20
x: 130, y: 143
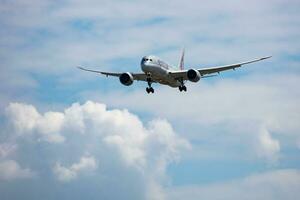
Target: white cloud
x: 10, y: 169
x: 267, y: 147
x: 25, y: 119
x: 66, y: 174
x: 122, y: 130
x: 163, y: 143
x: 116, y: 138
x: 275, y: 185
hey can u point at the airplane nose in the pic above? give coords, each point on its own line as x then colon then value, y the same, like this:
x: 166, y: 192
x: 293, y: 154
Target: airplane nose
x: 144, y: 67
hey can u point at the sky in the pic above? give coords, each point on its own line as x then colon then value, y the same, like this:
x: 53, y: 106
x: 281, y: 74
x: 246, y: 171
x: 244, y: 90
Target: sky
x: 68, y: 134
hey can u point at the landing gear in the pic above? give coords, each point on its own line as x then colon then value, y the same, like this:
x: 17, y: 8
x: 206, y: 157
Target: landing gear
x: 149, y: 89
x: 182, y: 88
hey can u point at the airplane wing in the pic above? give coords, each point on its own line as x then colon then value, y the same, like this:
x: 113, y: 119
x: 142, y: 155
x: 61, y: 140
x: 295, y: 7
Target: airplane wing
x: 182, y: 74
x: 136, y: 76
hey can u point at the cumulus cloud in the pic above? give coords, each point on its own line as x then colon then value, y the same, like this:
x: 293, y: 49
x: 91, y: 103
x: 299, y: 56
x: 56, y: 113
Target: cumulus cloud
x: 275, y: 185
x: 119, y: 128
x: 10, y: 169
x: 116, y: 139
x: 67, y: 174
x: 26, y: 120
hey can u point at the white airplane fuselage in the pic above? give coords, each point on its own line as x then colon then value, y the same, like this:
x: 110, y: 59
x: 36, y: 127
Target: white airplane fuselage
x: 158, y: 71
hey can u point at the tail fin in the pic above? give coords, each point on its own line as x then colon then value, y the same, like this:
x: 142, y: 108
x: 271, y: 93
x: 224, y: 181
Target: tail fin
x: 181, y: 62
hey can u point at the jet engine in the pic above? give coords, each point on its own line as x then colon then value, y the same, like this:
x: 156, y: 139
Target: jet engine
x: 126, y: 78
x: 193, y: 75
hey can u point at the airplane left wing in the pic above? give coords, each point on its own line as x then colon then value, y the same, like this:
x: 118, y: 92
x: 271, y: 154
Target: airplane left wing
x: 136, y: 76
x: 182, y: 74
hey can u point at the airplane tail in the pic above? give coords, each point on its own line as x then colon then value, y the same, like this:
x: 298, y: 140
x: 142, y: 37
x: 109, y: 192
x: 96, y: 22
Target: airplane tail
x: 181, y: 62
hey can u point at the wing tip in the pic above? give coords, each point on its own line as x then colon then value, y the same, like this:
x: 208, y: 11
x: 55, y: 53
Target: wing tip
x: 80, y: 68
x: 267, y: 57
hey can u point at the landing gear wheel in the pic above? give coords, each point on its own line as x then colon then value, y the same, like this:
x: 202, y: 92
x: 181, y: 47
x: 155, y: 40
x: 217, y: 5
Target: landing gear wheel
x: 149, y: 90
x: 182, y: 88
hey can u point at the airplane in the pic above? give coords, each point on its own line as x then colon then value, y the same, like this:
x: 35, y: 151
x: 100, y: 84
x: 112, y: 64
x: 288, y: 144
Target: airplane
x: 154, y: 70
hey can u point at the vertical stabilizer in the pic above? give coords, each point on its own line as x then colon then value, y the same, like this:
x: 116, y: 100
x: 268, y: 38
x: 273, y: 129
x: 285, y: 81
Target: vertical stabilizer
x: 181, y: 62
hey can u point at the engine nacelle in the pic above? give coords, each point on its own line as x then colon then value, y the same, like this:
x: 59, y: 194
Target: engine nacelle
x: 126, y: 78
x: 193, y: 75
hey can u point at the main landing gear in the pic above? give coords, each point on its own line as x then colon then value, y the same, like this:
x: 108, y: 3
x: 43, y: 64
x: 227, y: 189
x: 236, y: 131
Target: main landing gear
x: 149, y: 89
x: 182, y: 88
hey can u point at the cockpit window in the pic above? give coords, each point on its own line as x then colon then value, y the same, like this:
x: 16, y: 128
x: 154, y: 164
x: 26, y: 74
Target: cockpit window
x: 146, y: 59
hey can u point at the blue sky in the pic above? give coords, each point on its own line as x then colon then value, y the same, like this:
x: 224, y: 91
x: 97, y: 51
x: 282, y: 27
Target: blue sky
x: 70, y: 134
